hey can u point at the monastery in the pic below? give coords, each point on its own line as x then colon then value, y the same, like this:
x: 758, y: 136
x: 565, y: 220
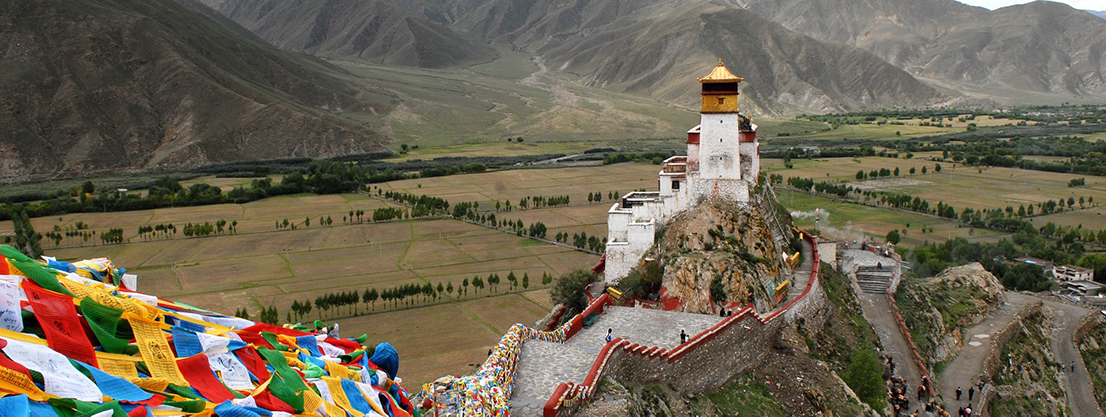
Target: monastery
x: 723, y: 161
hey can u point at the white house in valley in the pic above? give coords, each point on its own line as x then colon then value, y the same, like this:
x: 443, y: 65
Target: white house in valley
x: 723, y: 161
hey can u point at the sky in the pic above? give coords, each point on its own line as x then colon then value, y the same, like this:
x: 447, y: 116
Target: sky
x: 1078, y: 4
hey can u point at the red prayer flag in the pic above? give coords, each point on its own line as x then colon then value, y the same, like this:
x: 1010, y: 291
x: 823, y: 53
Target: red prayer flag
x: 59, y: 320
x: 197, y: 371
x: 253, y: 362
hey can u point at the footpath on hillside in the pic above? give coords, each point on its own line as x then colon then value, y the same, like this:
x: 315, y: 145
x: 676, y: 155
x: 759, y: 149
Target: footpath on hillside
x: 964, y: 370
x: 544, y: 365
x: 1077, y: 384
x: 878, y: 310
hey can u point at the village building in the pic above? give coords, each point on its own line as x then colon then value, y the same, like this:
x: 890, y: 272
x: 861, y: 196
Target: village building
x: 722, y: 162
x: 1067, y: 273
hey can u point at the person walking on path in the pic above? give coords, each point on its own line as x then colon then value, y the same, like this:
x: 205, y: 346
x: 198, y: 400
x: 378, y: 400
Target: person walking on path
x: 683, y: 336
x: 1073, y: 366
x: 609, y: 335
x: 971, y: 393
x: 958, y: 392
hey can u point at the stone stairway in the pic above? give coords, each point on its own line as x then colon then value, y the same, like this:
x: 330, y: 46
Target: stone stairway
x: 543, y: 365
x: 873, y: 279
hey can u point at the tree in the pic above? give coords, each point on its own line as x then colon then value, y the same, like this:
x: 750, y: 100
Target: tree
x: 936, y: 167
x: 1025, y: 277
x: 896, y: 172
x: 546, y: 278
x: 525, y: 280
x: 465, y: 285
x: 923, y: 170
x: 569, y: 290
x: 370, y: 297
x: 912, y: 171
x: 449, y: 288
x: 894, y: 237
x: 865, y: 377
x: 717, y: 290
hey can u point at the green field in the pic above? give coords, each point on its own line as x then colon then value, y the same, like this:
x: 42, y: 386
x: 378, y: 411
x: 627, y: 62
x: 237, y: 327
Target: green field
x: 960, y: 186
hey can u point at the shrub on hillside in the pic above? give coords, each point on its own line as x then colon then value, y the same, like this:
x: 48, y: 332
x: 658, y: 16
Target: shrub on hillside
x: 569, y: 289
x: 865, y: 377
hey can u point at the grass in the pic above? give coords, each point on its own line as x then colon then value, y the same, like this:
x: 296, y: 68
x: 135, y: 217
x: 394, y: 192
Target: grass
x: 957, y: 185
x: 1094, y: 357
x: 746, y: 397
x: 845, y: 220
x: 1031, y: 372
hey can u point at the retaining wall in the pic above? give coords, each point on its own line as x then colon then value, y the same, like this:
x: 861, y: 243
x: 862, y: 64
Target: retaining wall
x: 703, y: 363
x: 993, y: 362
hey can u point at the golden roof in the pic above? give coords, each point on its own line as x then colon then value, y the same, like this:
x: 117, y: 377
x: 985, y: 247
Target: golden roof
x: 720, y: 75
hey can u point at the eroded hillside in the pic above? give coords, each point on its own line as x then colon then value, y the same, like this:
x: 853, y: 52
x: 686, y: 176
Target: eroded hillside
x: 96, y: 85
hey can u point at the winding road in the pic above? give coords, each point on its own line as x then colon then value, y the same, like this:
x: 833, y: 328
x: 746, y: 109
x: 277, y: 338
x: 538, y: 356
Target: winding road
x: 964, y: 371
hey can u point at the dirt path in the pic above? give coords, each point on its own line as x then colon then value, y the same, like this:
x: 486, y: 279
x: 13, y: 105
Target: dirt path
x: 878, y: 311
x: 1077, y: 384
x: 964, y: 371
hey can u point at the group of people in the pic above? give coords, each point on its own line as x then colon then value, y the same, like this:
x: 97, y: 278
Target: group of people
x: 967, y: 411
x: 899, y: 401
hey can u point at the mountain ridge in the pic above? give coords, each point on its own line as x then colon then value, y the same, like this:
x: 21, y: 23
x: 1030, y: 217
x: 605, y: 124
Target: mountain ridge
x: 124, y: 85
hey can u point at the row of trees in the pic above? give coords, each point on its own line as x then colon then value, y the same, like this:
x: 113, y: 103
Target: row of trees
x: 884, y: 172
x: 26, y: 239
x: 406, y: 294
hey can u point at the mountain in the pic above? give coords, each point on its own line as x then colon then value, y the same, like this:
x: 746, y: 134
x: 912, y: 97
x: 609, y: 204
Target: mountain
x: 1042, y: 47
x: 109, y: 85
x: 1099, y: 13
x: 371, y: 30
x: 651, y: 47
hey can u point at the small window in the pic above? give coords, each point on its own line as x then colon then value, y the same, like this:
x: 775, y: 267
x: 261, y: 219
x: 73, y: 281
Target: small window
x: 721, y: 100
x: 675, y: 185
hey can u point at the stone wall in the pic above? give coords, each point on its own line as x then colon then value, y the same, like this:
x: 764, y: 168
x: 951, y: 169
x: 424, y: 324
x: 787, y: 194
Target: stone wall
x: 993, y: 362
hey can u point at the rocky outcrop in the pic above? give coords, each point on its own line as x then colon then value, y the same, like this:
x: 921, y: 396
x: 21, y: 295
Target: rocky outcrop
x: 719, y: 241
x: 936, y: 309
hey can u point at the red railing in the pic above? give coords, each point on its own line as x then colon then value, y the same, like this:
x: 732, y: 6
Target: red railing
x: 569, y: 394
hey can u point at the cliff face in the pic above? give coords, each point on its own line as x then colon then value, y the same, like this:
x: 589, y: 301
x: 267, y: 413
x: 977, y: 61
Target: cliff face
x: 722, y: 244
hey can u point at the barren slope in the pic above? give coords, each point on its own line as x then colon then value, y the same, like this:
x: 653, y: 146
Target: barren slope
x: 99, y: 85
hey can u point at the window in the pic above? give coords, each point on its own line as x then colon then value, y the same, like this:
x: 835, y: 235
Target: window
x: 721, y: 100
x: 675, y: 185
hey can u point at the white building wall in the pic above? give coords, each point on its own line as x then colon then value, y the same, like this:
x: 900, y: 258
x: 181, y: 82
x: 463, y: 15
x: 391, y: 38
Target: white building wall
x: 718, y: 146
x: 751, y: 171
x: 618, y: 222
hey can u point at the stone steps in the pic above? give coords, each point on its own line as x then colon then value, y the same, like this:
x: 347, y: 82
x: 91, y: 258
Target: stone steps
x: 873, y: 283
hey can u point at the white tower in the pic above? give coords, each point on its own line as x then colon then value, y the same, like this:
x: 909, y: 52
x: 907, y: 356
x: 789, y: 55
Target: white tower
x: 720, y: 136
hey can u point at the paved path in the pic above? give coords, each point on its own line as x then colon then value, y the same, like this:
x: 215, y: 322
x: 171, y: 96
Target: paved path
x: 544, y: 365
x: 802, y: 274
x: 964, y: 370
x: 877, y: 309
x: 1077, y: 384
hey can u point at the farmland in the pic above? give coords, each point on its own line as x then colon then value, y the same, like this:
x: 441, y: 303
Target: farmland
x: 263, y: 265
